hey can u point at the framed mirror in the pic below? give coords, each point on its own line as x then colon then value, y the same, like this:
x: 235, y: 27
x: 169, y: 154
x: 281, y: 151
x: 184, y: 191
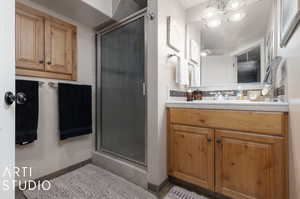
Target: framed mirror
x: 236, y: 40
x: 289, y: 19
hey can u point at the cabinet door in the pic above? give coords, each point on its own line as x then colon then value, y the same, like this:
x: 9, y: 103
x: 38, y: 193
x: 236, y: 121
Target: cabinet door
x: 59, y: 47
x: 250, y: 166
x: 29, y: 40
x: 192, y: 155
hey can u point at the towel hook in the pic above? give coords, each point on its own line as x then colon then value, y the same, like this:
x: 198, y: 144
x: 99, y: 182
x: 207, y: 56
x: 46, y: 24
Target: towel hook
x: 52, y: 84
x: 41, y: 83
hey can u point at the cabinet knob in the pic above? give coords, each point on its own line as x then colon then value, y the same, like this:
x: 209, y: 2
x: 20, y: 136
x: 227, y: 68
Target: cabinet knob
x: 209, y: 140
x: 219, y: 141
x: 41, y: 62
x: 49, y: 62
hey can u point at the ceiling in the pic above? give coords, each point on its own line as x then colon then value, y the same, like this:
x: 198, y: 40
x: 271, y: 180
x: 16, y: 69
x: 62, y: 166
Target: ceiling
x: 231, y: 36
x: 76, y: 10
x: 91, y: 16
x: 191, y: 3
x: 126, y: 8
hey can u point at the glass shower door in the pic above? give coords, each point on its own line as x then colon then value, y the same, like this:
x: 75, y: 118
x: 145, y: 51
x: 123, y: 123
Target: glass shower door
x: 122, y: 101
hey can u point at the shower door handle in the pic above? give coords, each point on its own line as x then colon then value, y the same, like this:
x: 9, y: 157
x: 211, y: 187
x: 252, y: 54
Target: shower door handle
x: 144, y: 89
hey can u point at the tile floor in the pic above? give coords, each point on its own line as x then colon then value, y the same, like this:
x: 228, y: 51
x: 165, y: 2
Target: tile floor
x: 160, y: 195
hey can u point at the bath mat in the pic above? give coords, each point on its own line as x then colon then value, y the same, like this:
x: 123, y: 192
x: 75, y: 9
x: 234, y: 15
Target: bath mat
x: 90, y: 182
x: 180, y: 193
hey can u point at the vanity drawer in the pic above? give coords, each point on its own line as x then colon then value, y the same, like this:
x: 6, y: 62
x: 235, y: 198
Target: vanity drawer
x: 270, y: 123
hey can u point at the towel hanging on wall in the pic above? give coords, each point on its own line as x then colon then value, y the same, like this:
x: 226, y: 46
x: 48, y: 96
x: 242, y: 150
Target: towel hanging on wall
x: 195, y: 76
x: 182, y: 72
x: 27, y: 113
x: 75, y: 110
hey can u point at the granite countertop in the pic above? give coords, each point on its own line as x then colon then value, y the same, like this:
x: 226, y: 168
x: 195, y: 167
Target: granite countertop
x: 243, y: 105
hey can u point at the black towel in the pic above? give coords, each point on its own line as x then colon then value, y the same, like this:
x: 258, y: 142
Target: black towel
x: 27, y: 113
x: 75, y: 110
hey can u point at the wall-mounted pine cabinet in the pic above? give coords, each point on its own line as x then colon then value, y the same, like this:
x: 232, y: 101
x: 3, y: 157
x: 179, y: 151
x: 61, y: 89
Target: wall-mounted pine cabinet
x: 45, y: 45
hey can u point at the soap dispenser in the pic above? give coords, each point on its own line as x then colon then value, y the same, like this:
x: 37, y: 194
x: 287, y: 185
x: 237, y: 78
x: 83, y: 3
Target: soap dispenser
x: 240, y: 94
x: 189, y: 95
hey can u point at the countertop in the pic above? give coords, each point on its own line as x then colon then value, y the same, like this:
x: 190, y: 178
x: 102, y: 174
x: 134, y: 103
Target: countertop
x: 242, y: 105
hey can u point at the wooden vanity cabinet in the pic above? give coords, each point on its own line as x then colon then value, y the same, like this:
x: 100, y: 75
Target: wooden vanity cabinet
x: 249, y: 165
x: 192, y: 155
x: 45, y: 46
x: 223, y: 156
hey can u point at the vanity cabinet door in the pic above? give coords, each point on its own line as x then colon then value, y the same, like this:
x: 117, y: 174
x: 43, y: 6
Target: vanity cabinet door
x: 249, y: 165
x: 192, y: 155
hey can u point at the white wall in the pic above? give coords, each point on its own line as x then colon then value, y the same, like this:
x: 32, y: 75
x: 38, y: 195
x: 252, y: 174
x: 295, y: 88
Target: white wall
x: 291, y: 53
x: 48, y: 154
x: 161, y: 77
x: 152, y: 102
x: 218, y: 70
x: 193, y: 14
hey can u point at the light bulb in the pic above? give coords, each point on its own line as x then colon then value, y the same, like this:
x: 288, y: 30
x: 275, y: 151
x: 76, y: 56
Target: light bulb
x: 237, y: 16
x: 213, y: 23
x: 234, y: 5
x: 209, y: 12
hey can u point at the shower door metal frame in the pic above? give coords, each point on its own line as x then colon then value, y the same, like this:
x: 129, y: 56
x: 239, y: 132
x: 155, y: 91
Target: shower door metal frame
x: 138, y: 15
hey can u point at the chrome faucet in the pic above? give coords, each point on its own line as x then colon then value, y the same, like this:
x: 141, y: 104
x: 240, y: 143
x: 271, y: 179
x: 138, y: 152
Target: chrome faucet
x: 217, y: 95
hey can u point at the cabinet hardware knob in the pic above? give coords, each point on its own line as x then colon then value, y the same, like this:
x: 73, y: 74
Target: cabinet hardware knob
x: 219, y: 141
x: 49, y: 62
x: 209, y: 140
x: 41, y: 62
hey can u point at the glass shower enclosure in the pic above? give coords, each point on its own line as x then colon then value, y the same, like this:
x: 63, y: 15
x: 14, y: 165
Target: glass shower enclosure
x: 121, y: 90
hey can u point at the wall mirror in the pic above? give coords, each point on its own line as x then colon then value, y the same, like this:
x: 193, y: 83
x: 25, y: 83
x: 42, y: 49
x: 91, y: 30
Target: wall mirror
x: 236, y: 39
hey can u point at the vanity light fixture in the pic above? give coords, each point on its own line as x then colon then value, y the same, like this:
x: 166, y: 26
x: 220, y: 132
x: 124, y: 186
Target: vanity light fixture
x: 219, y: 11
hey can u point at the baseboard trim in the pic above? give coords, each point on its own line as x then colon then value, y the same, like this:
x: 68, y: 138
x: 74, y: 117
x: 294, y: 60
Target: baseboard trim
x: 157, y: 188
x: 64, y: 170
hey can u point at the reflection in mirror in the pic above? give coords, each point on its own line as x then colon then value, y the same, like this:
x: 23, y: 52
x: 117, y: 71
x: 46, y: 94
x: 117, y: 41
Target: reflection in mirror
x: 249, y: 66
x: 236, y: 39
